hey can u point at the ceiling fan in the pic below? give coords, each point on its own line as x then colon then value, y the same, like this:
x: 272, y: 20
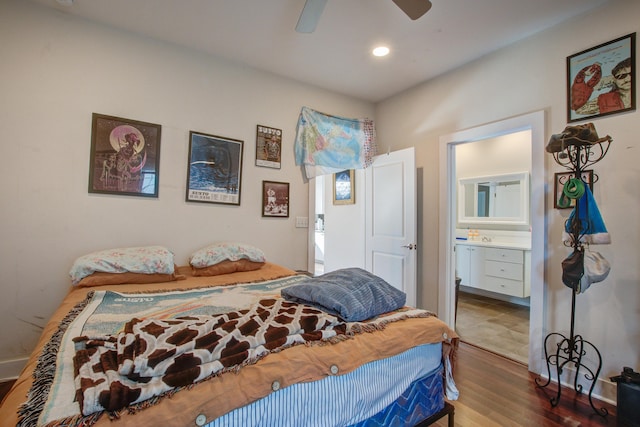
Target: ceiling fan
x: 313, y: 9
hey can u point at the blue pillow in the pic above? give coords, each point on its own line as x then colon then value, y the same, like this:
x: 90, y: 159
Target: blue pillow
x: 353, y: 294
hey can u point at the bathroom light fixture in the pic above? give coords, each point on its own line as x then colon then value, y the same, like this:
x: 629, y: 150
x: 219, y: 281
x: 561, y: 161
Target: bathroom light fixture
x: 381, y: 51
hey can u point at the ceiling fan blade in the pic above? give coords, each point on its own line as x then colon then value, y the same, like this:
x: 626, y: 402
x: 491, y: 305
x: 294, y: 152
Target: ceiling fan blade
x: 310, y: 16
x: 414, y: 8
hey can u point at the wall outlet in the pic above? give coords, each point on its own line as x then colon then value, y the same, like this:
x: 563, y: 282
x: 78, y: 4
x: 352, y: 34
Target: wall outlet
x: 302, y: 222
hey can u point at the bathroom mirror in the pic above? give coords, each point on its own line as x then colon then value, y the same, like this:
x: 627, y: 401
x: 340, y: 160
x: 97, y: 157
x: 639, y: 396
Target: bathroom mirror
x: 497, y: 199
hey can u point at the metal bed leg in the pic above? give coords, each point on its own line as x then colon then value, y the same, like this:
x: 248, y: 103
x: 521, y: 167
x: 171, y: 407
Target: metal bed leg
x: 448, y: 410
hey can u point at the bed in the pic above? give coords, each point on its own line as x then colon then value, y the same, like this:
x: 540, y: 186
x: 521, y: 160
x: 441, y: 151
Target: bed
x: 231, y: 341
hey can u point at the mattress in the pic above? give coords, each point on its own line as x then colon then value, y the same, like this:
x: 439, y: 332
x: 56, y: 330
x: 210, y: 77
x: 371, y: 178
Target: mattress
x: 423, y: 399
x: 347, y: 367
x: 362, y: 393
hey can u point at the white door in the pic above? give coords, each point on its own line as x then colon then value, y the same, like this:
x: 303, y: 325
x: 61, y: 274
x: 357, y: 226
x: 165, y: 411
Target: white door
x: 390, y: 220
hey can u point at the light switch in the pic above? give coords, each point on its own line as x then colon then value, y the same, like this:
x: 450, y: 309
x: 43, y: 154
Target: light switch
x: 302, y: 222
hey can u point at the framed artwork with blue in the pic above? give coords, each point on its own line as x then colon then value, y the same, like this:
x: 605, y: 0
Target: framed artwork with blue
x: 344, y: 189
x: 214, y: 169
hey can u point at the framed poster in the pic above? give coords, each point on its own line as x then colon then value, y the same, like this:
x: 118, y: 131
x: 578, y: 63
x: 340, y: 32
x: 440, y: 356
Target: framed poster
x: 214, y: 170
x: 344, y: 188
x: 601, y: 80
x: 560, y: 180
x: 268, y: 147
x: 275, y: 199
x: 125, y: 156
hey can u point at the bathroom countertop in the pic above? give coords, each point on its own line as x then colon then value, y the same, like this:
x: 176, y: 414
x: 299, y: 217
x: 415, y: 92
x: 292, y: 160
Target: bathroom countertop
x: 496, y: 244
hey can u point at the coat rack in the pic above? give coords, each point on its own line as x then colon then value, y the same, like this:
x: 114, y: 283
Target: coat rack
x: 576, y: 149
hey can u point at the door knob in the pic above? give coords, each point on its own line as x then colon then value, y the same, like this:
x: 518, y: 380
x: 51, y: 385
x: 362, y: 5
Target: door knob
x: 410, y: 246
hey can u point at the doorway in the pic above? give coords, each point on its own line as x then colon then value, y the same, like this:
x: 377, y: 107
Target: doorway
x: 389, y: 248
x: 535, y: 122
x: 494, y: 175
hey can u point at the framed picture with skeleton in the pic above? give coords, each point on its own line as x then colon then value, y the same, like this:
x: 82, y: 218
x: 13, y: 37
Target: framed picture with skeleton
x: 125, y: 156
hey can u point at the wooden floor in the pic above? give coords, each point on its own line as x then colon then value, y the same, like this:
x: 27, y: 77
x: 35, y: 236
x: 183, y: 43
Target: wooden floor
x: 498, y: 326
x: 495, y: 391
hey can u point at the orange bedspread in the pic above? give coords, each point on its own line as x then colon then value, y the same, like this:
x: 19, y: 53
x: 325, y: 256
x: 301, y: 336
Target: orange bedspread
x: 222, y: 394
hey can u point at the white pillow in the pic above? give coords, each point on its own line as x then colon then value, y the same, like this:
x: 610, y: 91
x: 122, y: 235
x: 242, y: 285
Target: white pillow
x: 145, y: 260
x: 218, y: 252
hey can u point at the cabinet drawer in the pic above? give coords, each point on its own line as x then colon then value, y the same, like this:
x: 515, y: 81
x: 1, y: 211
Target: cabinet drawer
x: 504, y: 286
x: 507, y: 255
x: 506, y: 270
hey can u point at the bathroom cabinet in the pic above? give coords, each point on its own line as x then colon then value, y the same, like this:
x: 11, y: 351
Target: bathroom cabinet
x: 498, y: 269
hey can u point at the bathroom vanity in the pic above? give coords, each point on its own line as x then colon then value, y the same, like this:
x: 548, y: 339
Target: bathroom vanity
x: 502, y: 268
x: 501, y: 204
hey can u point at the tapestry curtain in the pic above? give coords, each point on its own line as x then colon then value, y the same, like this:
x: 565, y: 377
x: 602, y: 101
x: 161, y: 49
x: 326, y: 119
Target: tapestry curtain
x: 327, y: 144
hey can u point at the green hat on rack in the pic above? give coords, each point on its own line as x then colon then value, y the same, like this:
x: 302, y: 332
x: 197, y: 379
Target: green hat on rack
x: 573, y: 189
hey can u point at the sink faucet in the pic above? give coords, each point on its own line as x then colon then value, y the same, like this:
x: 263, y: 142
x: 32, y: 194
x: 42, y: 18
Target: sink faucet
x: 486, y: 239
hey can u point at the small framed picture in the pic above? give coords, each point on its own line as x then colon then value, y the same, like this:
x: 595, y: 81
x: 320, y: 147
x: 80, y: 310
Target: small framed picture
x: 275, y: 199
x: 214, y: 170
x: 344, y: 187
x: 601, y: 80
x: 561, y: 179
x: 125, y: 156
x: 268, y: 147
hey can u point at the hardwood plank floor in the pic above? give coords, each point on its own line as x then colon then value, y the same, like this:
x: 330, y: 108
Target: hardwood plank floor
x: 498, y: 326
x: 496, y: 391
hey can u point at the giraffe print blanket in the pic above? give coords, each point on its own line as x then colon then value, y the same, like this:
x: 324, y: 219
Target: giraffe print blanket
x: 151, y: 357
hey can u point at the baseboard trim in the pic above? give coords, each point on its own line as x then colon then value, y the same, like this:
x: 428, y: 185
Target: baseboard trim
x: 604, y: 390
x: 10, y: 369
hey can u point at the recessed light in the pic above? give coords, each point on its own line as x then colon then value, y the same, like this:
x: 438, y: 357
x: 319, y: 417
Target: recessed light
x: 381, y: 51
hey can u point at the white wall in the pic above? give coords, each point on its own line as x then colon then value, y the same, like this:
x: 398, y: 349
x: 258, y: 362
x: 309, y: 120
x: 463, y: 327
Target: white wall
x: 504, y: 154
x: 526, y: 77
x: 55, y: 72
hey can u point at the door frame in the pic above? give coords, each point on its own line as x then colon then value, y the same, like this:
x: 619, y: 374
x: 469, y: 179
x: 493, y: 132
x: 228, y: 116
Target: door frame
x: 311, y: 229
x: 447, y: 202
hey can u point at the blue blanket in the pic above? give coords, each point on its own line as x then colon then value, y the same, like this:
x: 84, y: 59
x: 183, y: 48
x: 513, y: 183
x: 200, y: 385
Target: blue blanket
x: 353, y: 294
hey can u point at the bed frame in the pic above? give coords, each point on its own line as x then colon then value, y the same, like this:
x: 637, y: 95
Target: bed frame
x: 448, y: 411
